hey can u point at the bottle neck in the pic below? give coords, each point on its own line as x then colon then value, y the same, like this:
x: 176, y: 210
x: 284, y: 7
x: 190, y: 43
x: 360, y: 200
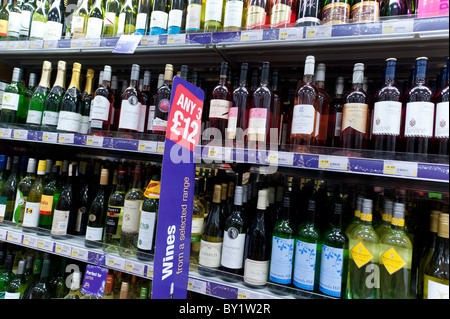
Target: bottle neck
x: 60, y: 78
x: 307, y: 78
x: 45, y: 78
x: 89, y: 85
x: 264, y: 77
x: 389, y: 77
x: 358, y: 79
x: 75, y: 82
x: 243, y: 78
x: 420, y: 74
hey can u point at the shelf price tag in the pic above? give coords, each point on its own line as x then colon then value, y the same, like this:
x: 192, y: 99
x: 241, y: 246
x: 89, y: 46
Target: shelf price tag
x: 29, y: 241
x: 36, y: 44
x: 147, y: 146
x: 134, y: 267
x: 45, y: 244
x: 149, y: 40
x: 319, y: 32
x: 62, y: 249
x: 291, y: 34
x: 96, y: 141
x: 333, y: 162
x: 14, y: 237
x: 5, y: 132
x: 215, y: 152
x: 66, y: 138
x: 400, y: 168
x: 174, y: 39
x: 91, y: 43
x: 197, y: 285
x: 79, y: 253
x: 399, y: 26
x: 49, y: 137
x: 149, y: 271
x: 3, y: 233
x: 20, y: 134
x: 50, y: 44
x: 115, y: 262
x: 251, y: 35
x: 160, y: 148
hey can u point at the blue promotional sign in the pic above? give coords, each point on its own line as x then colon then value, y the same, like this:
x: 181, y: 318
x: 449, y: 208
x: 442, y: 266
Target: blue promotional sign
x: 173, y: 234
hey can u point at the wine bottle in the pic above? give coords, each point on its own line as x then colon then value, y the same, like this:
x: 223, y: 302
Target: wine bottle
x: 307, y: 252
x: 37, y: 29
x: 28, y: 9
x: 177, y: 17
x: 159, y: 17
x: 7, y: 275
x: 148, y: 217
x: 86, y: 100
x: 8, y: 192
x: 396, y: 251
x: 84, y: 196
x: 355, y: 113
x: 364, y: 11
x: 308, y: 13
x: 283, y: 243
x: 162, y: 103
x: 234, y: 234
x: 387, y: 111
x: 195, y: 16
x: 69, y: 119
x: 55, y: 21
x: 212, y: 237
x: 130, y: 222
x: 334, y: 259
x: 18, y: 285
x: 52, y: 105
x: 13, y: 100
x: 3, y: 177
x: 214, y: 12
x: 335, y: 12
x: 131, y: 109
x: 198, y: 218
x: 323, y: 108
x: 143, y: 16
x: 23, y: 189
x: 363, y: 258
x: 95, y: 20
x: 102, y: 107
x: 238, y: 112
x: 386, y: 217
x: 441, y: 126
x: 4, y: 18
x: 235, y: 14
x: 389, y: 8
x: 50, y: 195
x: 65, y: 206
x: 33, y: 278
x: 219, y: 106
x: 436, y: 276
x: 257, y: 259
x: 111, y: 19
x: 260, y: 113
x: 127, y: 18
x: 79, y: 23
x: 33, y: 201
x: 15, y: 21
x: 109, y: 285
x: 75, y: 286
x: 257, y: 14
x: 305, y: 110
x: 39, y: 97
x: 335, y: 116
x: 283, y: 13
x: 114, y: 215
x: 42, y: 289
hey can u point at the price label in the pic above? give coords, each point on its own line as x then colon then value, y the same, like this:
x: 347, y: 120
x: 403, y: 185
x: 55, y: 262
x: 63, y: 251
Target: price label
x: 175, y: 39
x: 149, y: 40
x: 45, y: 244
x: 228, y: 154
x: 115, y: 262
x: 242, y: 294
x: 150, y: 271
x: 215, y: 152
x: 36, y: 44
x: 20, y: 134
x: 14, y: 237
x: 318, y: 32
x: 197, y: 285
x: 66, y: 138
x: 400, y: 26
x: 291, y: 34
x: 50, y: 44
x: 333, y: 162
x: 5, y: 132
x: 134, y: 267
x: 147, y: 146
x: 63, y: 249
x: 251, y: 35
x: 3, y: 233
x: 79, y: 253
x: 49, y: 137
x: 96, y: 141
x: 160, y: 148
x: 91, y: 43
x: 29, y: 241
x: 408, y: 169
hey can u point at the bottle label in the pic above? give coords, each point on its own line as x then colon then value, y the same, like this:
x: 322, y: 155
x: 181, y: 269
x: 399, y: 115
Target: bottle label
x: 354, y: 115
x: 19, y: 207
x: 233, y: 14
x: 336, y: 13
x: 31, y: 216
x: 159, y: 124
x: 53, y: 30
x: 193, y: 17
x: 84, y: 125
x: 34, y: 117
x: 121, y: 24
x: 256, y: 272
x: 232, y: 122
x: 175, y: 18
x: 94, y: 233
x: 197, y: 225
x: 50, y: 118
x: 3, y: 28
x: 37, y: 30
x: 130, y: 221
x: 256, y: 16
x: 366, y: 11
x: 60, y: 222
x: 280, y: 14
x: 46, y: 205
x: 281, y: 260
x: 213, y: 10
x: 337, y: 127
x: 151, y: 117
x: 100, y: 108
x: 305, y: 265
x: 210, y: 254
x: 3, y: 201
x: 153, y: 189
x: 12, y: 295
x: 436, y: 290
x: 78, y: 27
x: 419, y: 119
x: 257, y: 124
x: 130, y: 114
x: 360, y: 255
x: 387, y: 118
x: 94, y: 28
x: 146, y: 230
x: 331, y: 267
x: 442, y: 119
x: 15, y: 23
x: 159, y: 19
x: 114, y: 221
x: 303, y: 119
x: 141, y: 21
x: 80, y: 213
x: 10, y: 101
x: 110, y: 19
x: 69, y: 121
x: 392, y: 261
x: 25, y: 23
x: 219, y: 109
x: 233, y: 249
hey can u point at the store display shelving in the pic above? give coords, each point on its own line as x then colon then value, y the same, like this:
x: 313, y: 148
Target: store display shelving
x: 339, y: 45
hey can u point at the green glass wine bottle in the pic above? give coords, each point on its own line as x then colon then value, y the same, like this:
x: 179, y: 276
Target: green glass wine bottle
x: 52, y: 105
x: 4, y: 18
x: 8, y: 192
x: 95, y: 20
x: 37, y: 29
x: 364, y: 281
x: 39, y: 97
x: 50, y: 196
x: 111, y: 20
x: 386, y: 217
x: 214, y: 13
x: 127, y: 18
x: 15, y: 21
x: 18, y: 285
x: 33, y: 204
x: 28, y: 9
x: 79, y: 23
x: 13, y: 100
x: 7, y: 275
x: 23, y: 189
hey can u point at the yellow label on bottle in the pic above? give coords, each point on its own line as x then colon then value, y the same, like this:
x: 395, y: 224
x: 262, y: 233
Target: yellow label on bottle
x: 46, y: 205
x: 361, y: 255
x: 366, y: 217
x: 153, y: 189
x: 3, y: 28
x: 386, y: 217
x: 398, y: 222
x: 354, y: 115
x: 392, y: 261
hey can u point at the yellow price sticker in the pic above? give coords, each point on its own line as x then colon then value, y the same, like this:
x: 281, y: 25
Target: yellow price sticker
x: 242, y: 296
x: 324, y: 163
x: 128, y: 267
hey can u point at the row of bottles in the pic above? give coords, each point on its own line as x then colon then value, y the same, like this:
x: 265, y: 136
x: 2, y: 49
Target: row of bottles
x: 116, y: 210
x: 29, y: 274
x: 299, y: 236
x: 110, y: 18
x: 413, y: 121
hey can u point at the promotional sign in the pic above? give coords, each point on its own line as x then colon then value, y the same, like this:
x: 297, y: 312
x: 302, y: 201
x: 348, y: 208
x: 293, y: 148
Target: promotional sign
x: 173, y: 234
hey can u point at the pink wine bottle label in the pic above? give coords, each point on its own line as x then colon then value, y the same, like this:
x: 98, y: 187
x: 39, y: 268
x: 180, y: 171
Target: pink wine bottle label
x: 257, y: 124
x: 432, y: 8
